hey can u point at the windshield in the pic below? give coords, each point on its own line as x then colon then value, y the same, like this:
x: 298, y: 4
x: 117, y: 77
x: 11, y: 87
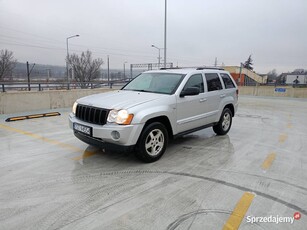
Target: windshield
x: 165, y: 83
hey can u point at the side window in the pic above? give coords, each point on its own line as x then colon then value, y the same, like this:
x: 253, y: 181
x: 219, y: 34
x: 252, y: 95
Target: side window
x: 213, y: 81
x: 195, y: 81
x: 227, y: 81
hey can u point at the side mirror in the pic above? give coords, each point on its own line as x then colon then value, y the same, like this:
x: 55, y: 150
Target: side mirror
x: 190, y: 91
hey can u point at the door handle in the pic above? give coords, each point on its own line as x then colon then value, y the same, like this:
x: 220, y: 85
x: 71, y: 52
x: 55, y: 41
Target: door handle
x: 203, y: 100
x: 222, y: 95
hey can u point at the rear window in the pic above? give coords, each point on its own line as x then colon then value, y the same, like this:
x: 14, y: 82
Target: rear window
x: 227, y: 81
x: 213, y: 81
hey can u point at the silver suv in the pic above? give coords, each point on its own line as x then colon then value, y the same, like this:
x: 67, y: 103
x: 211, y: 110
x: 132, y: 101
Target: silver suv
x: 155, y: 107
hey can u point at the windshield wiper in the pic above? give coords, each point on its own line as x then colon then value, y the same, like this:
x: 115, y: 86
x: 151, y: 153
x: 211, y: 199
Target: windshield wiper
x: 140, y: 90
x: 146, y: 91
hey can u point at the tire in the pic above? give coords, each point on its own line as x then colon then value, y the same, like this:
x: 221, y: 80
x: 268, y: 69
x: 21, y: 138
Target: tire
x: 224, y: 124
x: 152, y: 142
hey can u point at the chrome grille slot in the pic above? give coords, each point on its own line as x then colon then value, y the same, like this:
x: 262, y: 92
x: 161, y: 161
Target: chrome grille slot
x: 92, y: 114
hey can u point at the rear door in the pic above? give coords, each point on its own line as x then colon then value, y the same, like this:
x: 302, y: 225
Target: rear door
x: 214, y: 95
x: 230, y: 87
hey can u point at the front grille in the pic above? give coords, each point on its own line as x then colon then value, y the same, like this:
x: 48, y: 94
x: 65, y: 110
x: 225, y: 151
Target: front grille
x: 92, y: 114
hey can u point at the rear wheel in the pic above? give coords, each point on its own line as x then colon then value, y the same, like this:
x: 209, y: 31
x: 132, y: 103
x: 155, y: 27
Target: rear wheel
x: 152, y: 142
x: 224, y: 124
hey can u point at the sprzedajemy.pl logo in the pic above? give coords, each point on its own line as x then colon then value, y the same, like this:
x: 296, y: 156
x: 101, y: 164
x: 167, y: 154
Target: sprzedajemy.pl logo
x: 273, y: 219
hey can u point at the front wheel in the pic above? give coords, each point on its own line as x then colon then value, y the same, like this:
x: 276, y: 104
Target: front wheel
x: 224, y: 124
x: 152, y: 142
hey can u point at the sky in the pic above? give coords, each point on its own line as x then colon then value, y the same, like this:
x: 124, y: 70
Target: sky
x: 274, y: 32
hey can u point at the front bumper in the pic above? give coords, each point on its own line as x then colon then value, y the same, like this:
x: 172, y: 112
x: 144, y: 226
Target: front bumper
x: 101, y: 144
x: 129, y: 134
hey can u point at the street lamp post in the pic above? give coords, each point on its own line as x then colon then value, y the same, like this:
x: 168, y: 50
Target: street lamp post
x: 165, y: 33
x: 68, y: 81
x: 159, y: 58
x: 124, y: 70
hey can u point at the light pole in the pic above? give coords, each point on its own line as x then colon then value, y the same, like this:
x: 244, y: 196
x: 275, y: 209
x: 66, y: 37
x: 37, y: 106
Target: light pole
x: 165, y: 34
x: 77, y: 35
x: 159, y: 58
x: 125, y: 70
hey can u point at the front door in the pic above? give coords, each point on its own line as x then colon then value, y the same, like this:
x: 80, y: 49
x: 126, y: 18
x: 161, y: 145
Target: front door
x: 191, y: 109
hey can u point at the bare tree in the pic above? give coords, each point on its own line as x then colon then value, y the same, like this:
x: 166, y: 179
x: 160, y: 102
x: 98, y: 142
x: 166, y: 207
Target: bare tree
x: 85, y: 68
x: 272, y: 75
x: 7, y: 63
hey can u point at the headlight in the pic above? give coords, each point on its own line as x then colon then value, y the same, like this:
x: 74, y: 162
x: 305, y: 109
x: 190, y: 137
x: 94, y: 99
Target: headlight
x: 74, y: 108
x: 121, y: 117
x: 112, y: 116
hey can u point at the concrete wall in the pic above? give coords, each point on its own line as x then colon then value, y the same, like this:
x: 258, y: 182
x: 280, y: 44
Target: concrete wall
x: 14, y: 102
x: 270, y: 91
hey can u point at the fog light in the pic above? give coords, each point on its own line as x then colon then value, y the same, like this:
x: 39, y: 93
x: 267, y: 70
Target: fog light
x: 115, y: 135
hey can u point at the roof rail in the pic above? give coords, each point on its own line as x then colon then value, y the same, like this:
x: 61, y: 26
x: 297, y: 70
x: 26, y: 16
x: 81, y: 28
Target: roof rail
x: 171, y: 68
x: 193, y: 67
x: 217, y: 68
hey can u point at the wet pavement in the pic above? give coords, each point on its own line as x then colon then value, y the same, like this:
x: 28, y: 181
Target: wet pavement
x: 257, y: 173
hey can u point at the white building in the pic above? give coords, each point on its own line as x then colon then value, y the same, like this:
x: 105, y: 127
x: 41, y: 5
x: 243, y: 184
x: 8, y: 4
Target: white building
x: 295, y: 78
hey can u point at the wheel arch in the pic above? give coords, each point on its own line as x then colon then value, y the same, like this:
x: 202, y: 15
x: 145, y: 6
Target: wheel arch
x: 231, y: 107
x: 163, y: 120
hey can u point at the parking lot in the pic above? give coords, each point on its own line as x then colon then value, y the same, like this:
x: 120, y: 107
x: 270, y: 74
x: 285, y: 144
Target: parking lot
x: 51, y: 180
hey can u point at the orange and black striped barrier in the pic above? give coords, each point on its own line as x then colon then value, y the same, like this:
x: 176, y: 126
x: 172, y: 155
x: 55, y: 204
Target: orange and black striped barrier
x: 19, y: 118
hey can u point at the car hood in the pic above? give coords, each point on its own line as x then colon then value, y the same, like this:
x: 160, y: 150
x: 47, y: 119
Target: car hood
x: 121, y: 99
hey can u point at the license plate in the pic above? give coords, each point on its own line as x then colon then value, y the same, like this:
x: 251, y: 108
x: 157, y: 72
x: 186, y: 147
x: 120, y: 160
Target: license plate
x: 83, y: 129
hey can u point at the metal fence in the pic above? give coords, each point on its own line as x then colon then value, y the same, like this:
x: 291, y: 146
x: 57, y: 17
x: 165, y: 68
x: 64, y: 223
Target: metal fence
x: 40, y: 86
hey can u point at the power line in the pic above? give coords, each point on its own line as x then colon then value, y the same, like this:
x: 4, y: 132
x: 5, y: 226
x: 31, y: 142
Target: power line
x: 190, y: 59
x: 33, y: 46
x: 103, y: 50
x: 61, y: 42
x: 63, y: 49
x: 29, y: 34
